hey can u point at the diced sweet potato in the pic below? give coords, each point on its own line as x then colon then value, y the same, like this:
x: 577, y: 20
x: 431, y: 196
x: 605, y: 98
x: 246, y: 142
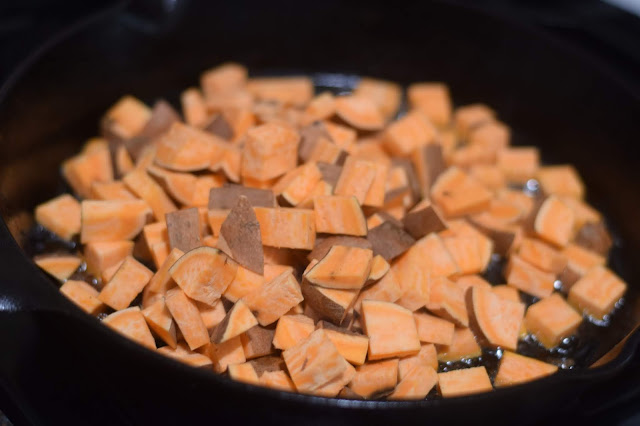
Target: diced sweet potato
x: 386, y: 290
x: 270, y: 151
x: 211, y: 316
x: 464, y: 382
x: 130, y: 323
x: 582, y: 260
x: 470, y: 116
x: 277, y: 380
x: 433, y: 329
x: 227, y: 77
x: 292, y: 329
x: 323, y: 245
x: 416, y: 384
x: 356, y: 179
x: 488, y: 175
x: 316, y: 366
x: 594, y: 237
x: 597, y: 292
x: 427, y: 357
x: 243, y: 373
x: 465, y: 251
x: 185, y: 149
x: 321, y: 107
x: 204, y: 274
x: 160, y: 321
x: 298, y: 184
x: 244, y: 283
x: 155, y: 233
x: 329, y: 303
x: 288, y: 228
x: 491, y: 136
x: 126, y: 284
x: 384, y: 94
x: 551, y: 320
x: 463, y: 346
x: 542, y: 255
x: 379, y: 268
x: 332, y: 271
x: 433, y: 100
x: 186, y: 315
x: 468, y: 281
x: 343, y: 136
x: 296, y: 91
x: 194, y: 108
x: 257, y: 341
x: 88, y: 167
x: 484, y: 245
x: 497, y: 320
x: 240, y: 237
x: 554, y: 221
x: 427, y: 256
x: 60, y: 267
x: 226, y: 197
x: 423, y: 220
x: 404, y: 135
x: 112, y: 220
x: 183, y: 354
x: 127, y: 117
x: 180, y: 186
x: 159, y: 253
x: 447, y: 301
x: 526, y: 277
x: 226, y: 354
x: 141, y: 184
x: 115, y: 190
x: 183, y: 228
x: 561, y: 180
x: 428, y: 162
x: 375, y: 378
x: 519, y: 164
x: 389, y: 240
x: 457, y: 194
x: 161, y: 280
x: 506, y: 292
x: 391, y: 330
x: 274, y: 298
x: 216, y: 218
x: 359, y: 112
x: 83, y: 295
x: 351, y: 345
x: 339, y: 215
x: 238, y: 320
x: 60, y: 215
x: 516, y: 369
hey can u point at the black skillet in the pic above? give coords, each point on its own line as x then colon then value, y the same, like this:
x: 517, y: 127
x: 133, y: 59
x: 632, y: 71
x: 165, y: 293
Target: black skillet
x: 59, y: 365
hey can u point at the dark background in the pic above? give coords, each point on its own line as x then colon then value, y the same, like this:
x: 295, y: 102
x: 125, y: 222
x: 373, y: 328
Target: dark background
x: 604, y: 33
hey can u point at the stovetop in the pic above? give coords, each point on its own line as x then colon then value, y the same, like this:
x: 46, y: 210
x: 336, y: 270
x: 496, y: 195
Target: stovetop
x: 605, y: 34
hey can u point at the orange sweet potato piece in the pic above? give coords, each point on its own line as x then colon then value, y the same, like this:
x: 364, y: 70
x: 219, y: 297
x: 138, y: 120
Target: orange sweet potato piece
x: 115, y: 190
x: 141, y: 184
x: 288, y: 228
x: 127, y: 117
x: 329, y: 303
x: 433, y: 329
x: 316, y: 366
x: 112, y: 220
x: 506, y: 292
x: 339, y: 215
x: 180, y: 186
x: 88, y: 167
x: 240, y: 237
x: 204, y: 274
x: 422, y: 220
x: 491, y: 136
x: 60, y: 267
x: 386, y: 95
x: 429, y: 163
x: 519, y: 164
x: 186, y: 315
x: 542, y: 256
x: 321, y: 107
x: 274, y: 298
x: 130, y: 323
x: 404, y: 135
x: 465, y: 251
x: 516, y: 369
x: 295, y: 91
x: 391, y: 330
x: 160, y: 322
x: 161, y: 280
x: 496, y: 319
x: 185, y: 149
x: 427, y: 357
x: 298, y: 184
x: 194, y: 108
x: 379, y: 268
x: 356, y: 178
x: 468, y: 281
x: 211, y: 316
x: 243, y: 373
x: 463, y: 346
x: 552, y: 319
x: 226, y: 354
x: 100, y: 256
x: 597, y: 292
x: 215, y: 218
x: 594, y: 237
x: 351, y: 345
x: 447, y: 300
x: 292, y: 329
x: 332, y: 271
x: 359, y: 112
x: 375, y: 378
x: 228, y: 77
x: 257, y: 341
x: 126, y: 284
x: 433, y: 100
x: 387, y: 289
x: 470, y: 116
x: 464, y: 382
x: 270, y: 151
x: 277, y: 380
x: 561, y: 180
x: 526, y: 277
x: 244, y: 283
x: 554, y: 222
x: 159, y: 252
x: 183, y: 354
x: 582, y: 260
x: 60, y: 215
x: 488, y: 175
x: 83, y: 295
x: 238, y: 320
x: 457, y: 194
x: 416, y: 383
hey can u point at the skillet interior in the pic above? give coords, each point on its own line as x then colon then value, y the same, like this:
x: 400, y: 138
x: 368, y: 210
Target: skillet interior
x: 568, y: 107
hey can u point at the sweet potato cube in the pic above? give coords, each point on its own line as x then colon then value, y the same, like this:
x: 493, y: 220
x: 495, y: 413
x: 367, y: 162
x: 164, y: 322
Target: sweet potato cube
x: 433, y: 329
x: 519, y: 164
x: 379, y: 268
x: 471, y: 116
x: 433, y: 100
x: 155, y: 233
x: 160, y: 322
x: 316, y: 365
x: 561, y: 180
x: 344, y: 267
x: 506, y: 292
x: 186, y: 315
x: 88, y: 167
x: 131, y: 324
x: 582, y: 260
x: 389, y: 240
x: 274, y: 298
x: 186, y: 149
x: 226, y: 354
x: 183, y: 354
x: 257, y: 341
x: 464, y: 382
x: 211, y: 316
x: 228, y: 77
x: 467, y: 281
x: 161, y: 280
x: 416, y: 383
x: 375, y: 378
x: 126, y: 284
x: 457, y: 194
x: 244, y: 373
x: 491, y: 136
x: 240, y: 237
x: 215, y: 218
x: 60, y: 215
x: 386, y: 95
x: 115, y: 190
x: 356, y: 179
x: 238, y: 320
x: 391, y: 330
x: 465, y: 251
x: 387, y: 289
x: 542, y: 256
x: 339, y: 215
x: 83, y: 295
x: 427, y: 357
x: 329, y: 303
x: 183, y: 228
x: 60, y: 267
x: 299, y: 183
x: 597, y: 292
x: 295, y: 91
x: 288, y: 228
x: 244, y: 283
x: 463, y: 346
x: 429, y: 163
x: 141, y: 184
x: 292, y: 329
x: 359, y: 112
x: 447, y: 301
x: 526, y: 277
x: 406, y: 134
x: 321, y: 107
x: 127, y: 117
x: 498, y: 321
x: 159, y: 252
x: 180, y: 186
x: 270, y: 151
x: 554, y: 222
x: 515, y: 369
x: 194, y: 107
x: 112, y: 220
x: 277, y: 380
x: 422, y: 220
x: 351, y: 345
x: 551, y: 320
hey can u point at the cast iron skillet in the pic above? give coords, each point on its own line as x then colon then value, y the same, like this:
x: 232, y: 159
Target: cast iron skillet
x: 57, y: 364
